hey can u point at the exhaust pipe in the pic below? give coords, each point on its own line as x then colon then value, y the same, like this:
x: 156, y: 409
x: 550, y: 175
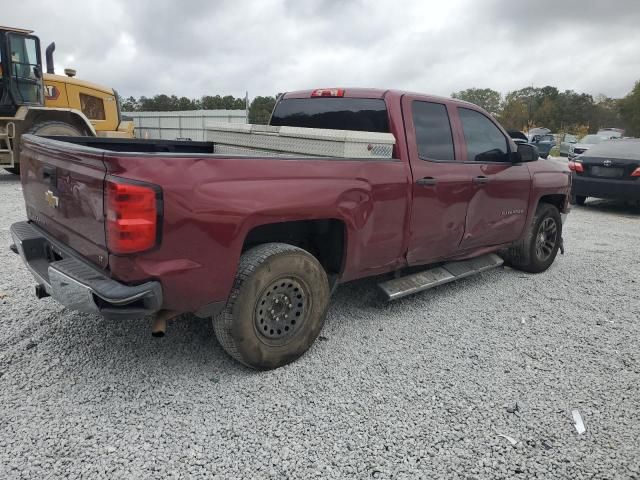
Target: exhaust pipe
x: 159, y: 326
x: 48, y: 53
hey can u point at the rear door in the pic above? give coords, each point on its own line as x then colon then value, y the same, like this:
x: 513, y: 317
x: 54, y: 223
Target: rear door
x: 441, y: 185
x: 63, y: 186
x: 497, y: 210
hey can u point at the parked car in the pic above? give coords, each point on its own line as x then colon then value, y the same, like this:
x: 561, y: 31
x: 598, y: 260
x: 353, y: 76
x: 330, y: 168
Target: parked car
x: 608, y: 170
x: 539, y: 131
x: 544, y: 143
x: 128, y: 228
x: 584, y: 144
x: 565, y: 145
x: 611, y: 132
x: 518, y: 136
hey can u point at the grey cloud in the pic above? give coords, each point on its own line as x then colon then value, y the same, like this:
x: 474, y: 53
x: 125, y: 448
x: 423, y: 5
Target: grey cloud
x: 201, y: 47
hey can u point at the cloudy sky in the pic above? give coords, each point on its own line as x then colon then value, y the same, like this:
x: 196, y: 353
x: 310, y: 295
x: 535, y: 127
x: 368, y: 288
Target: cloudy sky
x: 198, y: 47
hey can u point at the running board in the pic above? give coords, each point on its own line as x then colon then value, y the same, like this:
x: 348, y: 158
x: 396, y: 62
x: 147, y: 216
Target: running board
x: 417, y: 282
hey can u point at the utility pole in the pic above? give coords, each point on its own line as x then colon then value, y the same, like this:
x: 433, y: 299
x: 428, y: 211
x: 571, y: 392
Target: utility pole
x: 246, y: 105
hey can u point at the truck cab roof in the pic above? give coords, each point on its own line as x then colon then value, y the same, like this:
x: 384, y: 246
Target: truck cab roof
x: 374, y: 93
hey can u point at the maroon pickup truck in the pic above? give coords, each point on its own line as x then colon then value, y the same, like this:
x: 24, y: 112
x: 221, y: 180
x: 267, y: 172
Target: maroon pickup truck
x: 129, y: 228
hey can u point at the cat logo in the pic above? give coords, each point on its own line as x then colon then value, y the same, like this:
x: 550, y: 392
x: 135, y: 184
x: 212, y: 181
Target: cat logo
x: 51, y: 92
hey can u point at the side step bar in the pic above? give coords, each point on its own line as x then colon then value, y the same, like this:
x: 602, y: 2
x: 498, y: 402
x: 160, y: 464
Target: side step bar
x: 417, y: 282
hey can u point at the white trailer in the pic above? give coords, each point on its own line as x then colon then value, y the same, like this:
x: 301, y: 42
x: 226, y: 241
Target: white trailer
x: 188, y: 124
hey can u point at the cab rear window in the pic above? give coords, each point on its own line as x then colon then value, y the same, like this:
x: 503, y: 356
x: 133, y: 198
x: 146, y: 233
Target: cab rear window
x: 361, y: 114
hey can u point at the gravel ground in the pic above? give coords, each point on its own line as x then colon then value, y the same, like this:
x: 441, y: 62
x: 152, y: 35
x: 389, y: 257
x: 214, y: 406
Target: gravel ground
x: 419, y: 388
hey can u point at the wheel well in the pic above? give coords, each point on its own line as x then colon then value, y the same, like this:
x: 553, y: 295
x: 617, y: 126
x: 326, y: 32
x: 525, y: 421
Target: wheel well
x: 39, y: 116
x: 558, y: 200
x: 325, y: 239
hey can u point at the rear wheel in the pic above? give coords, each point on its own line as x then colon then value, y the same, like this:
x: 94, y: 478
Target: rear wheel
x: 276, y: 308
x: 51, y: 128
x: 578, y: 200
x: 537, y: 251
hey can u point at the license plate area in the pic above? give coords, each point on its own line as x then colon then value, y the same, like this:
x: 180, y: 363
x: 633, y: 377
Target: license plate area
x: 607, y: 172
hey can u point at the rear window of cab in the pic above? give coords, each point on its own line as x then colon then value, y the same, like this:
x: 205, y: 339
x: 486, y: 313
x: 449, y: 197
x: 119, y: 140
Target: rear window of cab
x: 339, y: 113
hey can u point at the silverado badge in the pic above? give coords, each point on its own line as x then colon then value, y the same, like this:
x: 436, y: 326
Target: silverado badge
x: 52, y: 200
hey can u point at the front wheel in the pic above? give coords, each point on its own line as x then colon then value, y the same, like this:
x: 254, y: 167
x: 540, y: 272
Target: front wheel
x: 537, y: 251
x: 276, y: 308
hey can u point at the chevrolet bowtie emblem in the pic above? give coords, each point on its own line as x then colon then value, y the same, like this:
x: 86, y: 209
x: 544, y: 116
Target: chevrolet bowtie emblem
x: 52, y: 200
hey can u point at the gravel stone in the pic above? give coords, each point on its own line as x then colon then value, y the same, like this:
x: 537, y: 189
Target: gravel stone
x: 424, y: 399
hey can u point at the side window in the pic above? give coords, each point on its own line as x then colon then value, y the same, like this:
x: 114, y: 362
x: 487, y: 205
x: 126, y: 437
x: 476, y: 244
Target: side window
x: 92, y: 107
x: 485, y: 142
x: 433, y: 131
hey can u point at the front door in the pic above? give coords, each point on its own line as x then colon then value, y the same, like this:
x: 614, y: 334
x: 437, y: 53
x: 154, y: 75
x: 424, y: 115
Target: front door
x: 25, y: 69
x: 497, y: 210
x: 442, y: 185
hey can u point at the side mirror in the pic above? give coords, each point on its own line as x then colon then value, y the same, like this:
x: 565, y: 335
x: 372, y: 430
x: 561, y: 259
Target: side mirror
x: 37, y: 72
x: 526, y: 153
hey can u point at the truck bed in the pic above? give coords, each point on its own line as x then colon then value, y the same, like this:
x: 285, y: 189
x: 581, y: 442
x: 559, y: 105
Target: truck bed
x: 257, y: 140
x: 137, y: 145
x: 210, y: 205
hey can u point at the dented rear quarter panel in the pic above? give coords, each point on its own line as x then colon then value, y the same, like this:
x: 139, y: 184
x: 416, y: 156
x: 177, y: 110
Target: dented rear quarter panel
x: 212, y: 203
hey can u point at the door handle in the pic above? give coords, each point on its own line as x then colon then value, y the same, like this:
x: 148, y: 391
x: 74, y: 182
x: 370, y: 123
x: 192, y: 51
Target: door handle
x: 481, y: 180
x: 426, y: 181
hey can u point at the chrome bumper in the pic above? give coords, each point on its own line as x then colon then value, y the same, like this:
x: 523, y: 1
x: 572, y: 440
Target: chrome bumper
x: 78, y: 285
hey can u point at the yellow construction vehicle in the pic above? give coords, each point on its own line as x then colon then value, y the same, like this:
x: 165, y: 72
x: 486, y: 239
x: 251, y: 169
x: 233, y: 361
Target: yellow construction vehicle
x: 39, y: 103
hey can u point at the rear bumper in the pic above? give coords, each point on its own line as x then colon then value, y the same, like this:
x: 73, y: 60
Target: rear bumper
x: 605, y: 188
x: 78, y: 285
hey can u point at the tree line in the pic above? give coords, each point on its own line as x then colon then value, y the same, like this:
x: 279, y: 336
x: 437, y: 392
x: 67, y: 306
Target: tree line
x: 259, y: 108
x: 567, y: 111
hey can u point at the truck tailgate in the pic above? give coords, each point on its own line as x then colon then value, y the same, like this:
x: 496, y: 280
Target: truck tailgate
x: 63, y: 187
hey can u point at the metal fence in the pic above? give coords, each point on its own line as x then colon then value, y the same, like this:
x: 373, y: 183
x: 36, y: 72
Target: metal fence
x: 184, y: 124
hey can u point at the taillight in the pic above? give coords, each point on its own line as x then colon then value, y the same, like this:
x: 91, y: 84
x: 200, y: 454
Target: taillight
x: 636, y: 172
x: 576, y: 167
x: 132, y: 214
x: 328, y: 92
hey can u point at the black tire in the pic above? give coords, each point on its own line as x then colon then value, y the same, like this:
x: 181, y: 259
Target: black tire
x: 294, y: 286
x: 578, y: 200
x: 537, y: 251
x: 50, y: 128
x: 545, y: 156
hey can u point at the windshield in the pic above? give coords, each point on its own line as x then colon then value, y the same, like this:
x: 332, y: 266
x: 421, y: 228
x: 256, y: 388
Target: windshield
x: 362, y: 114
x: 592, y: 139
